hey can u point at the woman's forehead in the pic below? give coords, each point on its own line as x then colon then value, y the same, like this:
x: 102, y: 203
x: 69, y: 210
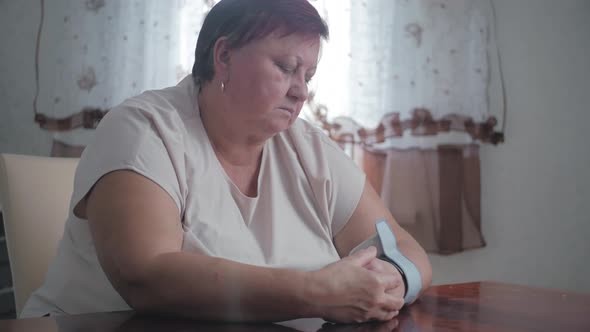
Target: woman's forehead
x: 292, y: 43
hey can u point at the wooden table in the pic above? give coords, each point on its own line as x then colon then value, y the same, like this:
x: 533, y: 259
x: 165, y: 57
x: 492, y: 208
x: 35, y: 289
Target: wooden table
x: 481, y: 306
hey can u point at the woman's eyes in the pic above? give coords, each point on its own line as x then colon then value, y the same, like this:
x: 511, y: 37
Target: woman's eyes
x: 288, y: 69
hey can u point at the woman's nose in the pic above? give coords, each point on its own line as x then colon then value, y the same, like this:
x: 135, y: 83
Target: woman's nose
x: 298, y: 89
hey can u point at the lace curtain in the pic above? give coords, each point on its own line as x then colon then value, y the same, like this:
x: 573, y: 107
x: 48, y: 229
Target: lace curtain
x: 403, y: 86
x: 93, y: 54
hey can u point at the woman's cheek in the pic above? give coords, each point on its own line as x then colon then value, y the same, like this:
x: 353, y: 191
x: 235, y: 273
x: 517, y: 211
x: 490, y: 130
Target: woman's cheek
x: 275, y: 91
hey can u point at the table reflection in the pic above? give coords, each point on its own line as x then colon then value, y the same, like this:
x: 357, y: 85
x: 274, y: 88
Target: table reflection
x: 132, y: 322
x: 480, y: 306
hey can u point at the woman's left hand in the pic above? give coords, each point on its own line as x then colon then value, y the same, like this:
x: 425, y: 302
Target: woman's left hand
x: 381, y: 266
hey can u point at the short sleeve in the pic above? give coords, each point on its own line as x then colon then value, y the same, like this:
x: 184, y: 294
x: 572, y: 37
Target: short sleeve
x: 137, y: 138
x: 347, y: 182
x: 336, y: 181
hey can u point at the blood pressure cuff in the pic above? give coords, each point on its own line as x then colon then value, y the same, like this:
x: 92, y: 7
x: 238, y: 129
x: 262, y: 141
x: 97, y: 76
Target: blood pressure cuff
x: 387, y: 250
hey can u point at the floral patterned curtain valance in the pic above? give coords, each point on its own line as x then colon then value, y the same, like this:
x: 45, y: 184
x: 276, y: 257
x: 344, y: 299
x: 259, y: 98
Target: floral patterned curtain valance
x: 399, y: 67
x: 93, y: 54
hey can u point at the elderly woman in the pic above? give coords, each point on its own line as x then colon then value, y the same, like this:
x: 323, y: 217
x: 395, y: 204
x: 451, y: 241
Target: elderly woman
x: 212, y: 200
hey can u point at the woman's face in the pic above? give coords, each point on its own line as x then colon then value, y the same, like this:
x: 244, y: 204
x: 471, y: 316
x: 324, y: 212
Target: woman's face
x: 266, y: 82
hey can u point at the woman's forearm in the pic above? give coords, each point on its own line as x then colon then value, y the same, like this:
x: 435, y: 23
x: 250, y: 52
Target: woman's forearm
x: 412, y: 250
x: 208, y: 288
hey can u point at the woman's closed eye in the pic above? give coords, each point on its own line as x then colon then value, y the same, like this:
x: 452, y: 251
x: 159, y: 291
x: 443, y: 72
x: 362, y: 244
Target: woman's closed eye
x: 290, y: 70
x: 285, y: 68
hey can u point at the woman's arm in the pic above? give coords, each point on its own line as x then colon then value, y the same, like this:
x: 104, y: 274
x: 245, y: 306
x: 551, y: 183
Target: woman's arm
x: 138, y: 237
x: 361, y: 227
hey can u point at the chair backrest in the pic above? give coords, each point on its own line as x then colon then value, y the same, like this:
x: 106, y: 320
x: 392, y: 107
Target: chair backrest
x: 34, y: 196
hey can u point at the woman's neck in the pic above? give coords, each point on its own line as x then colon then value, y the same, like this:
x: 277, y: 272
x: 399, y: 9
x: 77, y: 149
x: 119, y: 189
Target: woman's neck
x: 232, y: 145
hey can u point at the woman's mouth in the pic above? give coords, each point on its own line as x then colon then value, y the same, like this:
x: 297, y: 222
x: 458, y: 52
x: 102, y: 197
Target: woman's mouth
x: 288, y: 110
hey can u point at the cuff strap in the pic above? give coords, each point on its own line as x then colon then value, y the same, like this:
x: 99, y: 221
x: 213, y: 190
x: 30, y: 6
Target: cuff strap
x: 410, y: 271
x: 387, y: 250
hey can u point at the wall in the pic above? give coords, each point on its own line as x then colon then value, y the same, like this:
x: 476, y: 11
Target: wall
x: 536, y: 186
x: 18, y: 28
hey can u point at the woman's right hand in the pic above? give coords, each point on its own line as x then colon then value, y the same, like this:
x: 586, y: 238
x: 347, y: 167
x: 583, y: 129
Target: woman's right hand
x: 346, y: 292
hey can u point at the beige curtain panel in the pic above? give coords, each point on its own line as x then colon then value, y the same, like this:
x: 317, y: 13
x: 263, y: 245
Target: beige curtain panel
x: 433, y: 193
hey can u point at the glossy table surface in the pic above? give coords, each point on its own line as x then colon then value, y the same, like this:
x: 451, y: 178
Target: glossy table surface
x: 481, y: 306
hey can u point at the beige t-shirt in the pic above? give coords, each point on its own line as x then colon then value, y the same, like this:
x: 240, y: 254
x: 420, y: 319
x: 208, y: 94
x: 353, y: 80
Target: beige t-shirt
x: 307, y: 190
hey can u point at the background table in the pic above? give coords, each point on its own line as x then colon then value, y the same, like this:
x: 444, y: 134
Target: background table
x: 481, y: 306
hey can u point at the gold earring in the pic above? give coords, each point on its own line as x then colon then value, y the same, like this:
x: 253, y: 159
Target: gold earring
x: 222, y: 87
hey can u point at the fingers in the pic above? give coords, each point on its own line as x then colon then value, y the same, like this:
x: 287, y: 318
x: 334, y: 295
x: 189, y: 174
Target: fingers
x: 388, y: 280
x: 389, y: 315
x: 362, y: 257
x: 391, y: 302
x: 375, y: 266
x: 379, y: 267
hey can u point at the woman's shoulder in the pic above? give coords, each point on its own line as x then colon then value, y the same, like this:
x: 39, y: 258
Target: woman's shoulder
x: 175, y: 103
x: 161, y: 111
x: 146, y: 134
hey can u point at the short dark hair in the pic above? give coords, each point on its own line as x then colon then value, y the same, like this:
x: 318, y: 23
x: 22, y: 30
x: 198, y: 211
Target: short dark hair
x: 244, y: 21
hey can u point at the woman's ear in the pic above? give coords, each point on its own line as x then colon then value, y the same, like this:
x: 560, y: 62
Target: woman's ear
x: 221, y: 55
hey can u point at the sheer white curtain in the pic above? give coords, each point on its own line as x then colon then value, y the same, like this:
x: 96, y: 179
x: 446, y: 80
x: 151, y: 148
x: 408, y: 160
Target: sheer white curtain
x: 395, y: 56
x: 403, y: 86
x: 96, y: 53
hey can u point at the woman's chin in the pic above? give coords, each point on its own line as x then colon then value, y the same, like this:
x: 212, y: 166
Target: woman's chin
x: 279, y: 125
